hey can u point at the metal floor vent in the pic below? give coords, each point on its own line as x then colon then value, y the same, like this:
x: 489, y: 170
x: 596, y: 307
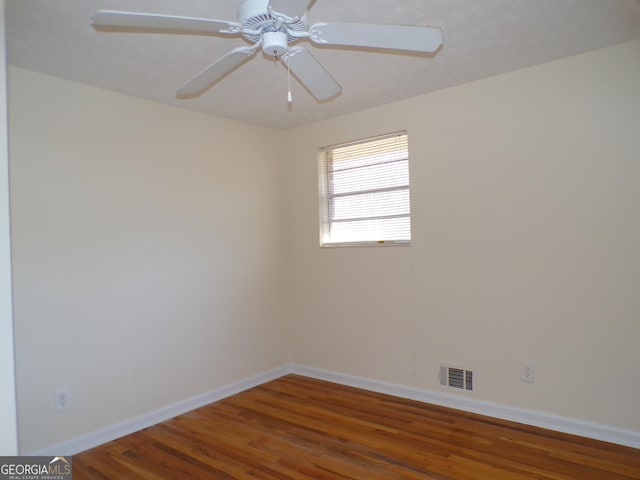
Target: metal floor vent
x: 456, y: 377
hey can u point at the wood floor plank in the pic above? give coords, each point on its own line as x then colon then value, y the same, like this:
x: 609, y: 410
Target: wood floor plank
x: 298, y: 428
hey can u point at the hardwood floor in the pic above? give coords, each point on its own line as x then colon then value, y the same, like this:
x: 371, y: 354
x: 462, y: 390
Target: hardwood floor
x: 300, y: 428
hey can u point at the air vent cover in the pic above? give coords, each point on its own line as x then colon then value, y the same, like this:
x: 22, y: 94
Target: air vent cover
x: 456, y: 377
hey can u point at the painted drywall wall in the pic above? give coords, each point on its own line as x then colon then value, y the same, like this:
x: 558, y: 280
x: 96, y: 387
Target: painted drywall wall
x: 136, y: 288
x: 8, y: 426
x: 526, y: 226
x: 148, y: 255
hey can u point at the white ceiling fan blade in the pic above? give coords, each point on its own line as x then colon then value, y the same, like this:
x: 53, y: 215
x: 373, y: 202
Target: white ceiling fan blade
x: 391, y: 37
x: 151, y: 21
x: 216, y: 71
x: 311, y: 74
x: 289, y: 8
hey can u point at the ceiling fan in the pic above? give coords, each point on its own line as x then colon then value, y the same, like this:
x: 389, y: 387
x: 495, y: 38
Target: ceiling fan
x: 273, y: 25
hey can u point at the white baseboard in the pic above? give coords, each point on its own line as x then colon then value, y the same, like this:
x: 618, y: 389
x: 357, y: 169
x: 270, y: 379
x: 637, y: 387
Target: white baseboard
x: 93, y: 439
x: 529, y: 417
x: 535, y: 418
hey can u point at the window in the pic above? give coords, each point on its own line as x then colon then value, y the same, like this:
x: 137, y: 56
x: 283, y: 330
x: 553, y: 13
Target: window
x: 364, y: 192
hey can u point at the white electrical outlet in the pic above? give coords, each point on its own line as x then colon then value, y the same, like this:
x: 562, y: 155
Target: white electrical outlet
x: 528, y: 372
x: 62, y: 400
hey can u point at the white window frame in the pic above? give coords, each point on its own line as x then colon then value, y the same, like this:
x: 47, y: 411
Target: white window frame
x: 391, y: 194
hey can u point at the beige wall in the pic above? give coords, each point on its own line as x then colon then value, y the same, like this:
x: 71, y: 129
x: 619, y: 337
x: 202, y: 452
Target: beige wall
x: 156, y: 256
x: 148, y: 255
x: 526, y: 234
x: 8, y: 432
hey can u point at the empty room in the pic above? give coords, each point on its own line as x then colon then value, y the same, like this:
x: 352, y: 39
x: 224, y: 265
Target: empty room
x: 298, y: 239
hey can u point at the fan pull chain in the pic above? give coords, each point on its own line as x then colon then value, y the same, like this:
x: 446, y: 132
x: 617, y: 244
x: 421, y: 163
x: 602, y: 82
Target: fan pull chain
x: 289, y: 95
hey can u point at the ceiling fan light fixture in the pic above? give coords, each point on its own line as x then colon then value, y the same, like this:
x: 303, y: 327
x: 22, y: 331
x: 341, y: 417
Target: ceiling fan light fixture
x: 274, y: 43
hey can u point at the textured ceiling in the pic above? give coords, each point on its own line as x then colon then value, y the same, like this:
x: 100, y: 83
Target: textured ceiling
x: 482, y: 38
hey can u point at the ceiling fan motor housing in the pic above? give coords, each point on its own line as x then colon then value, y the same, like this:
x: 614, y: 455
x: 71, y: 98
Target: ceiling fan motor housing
x: 254, y: 15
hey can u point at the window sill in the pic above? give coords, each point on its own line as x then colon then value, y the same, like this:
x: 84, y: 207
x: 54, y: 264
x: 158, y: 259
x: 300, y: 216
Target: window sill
x: 380, y: 243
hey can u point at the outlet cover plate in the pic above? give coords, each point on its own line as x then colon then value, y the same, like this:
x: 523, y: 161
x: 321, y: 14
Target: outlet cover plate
x: 528, y: 372
x: 62, y: 400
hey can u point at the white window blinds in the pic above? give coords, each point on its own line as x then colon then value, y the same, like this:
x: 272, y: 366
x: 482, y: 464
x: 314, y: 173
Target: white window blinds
x: 364, y: 192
